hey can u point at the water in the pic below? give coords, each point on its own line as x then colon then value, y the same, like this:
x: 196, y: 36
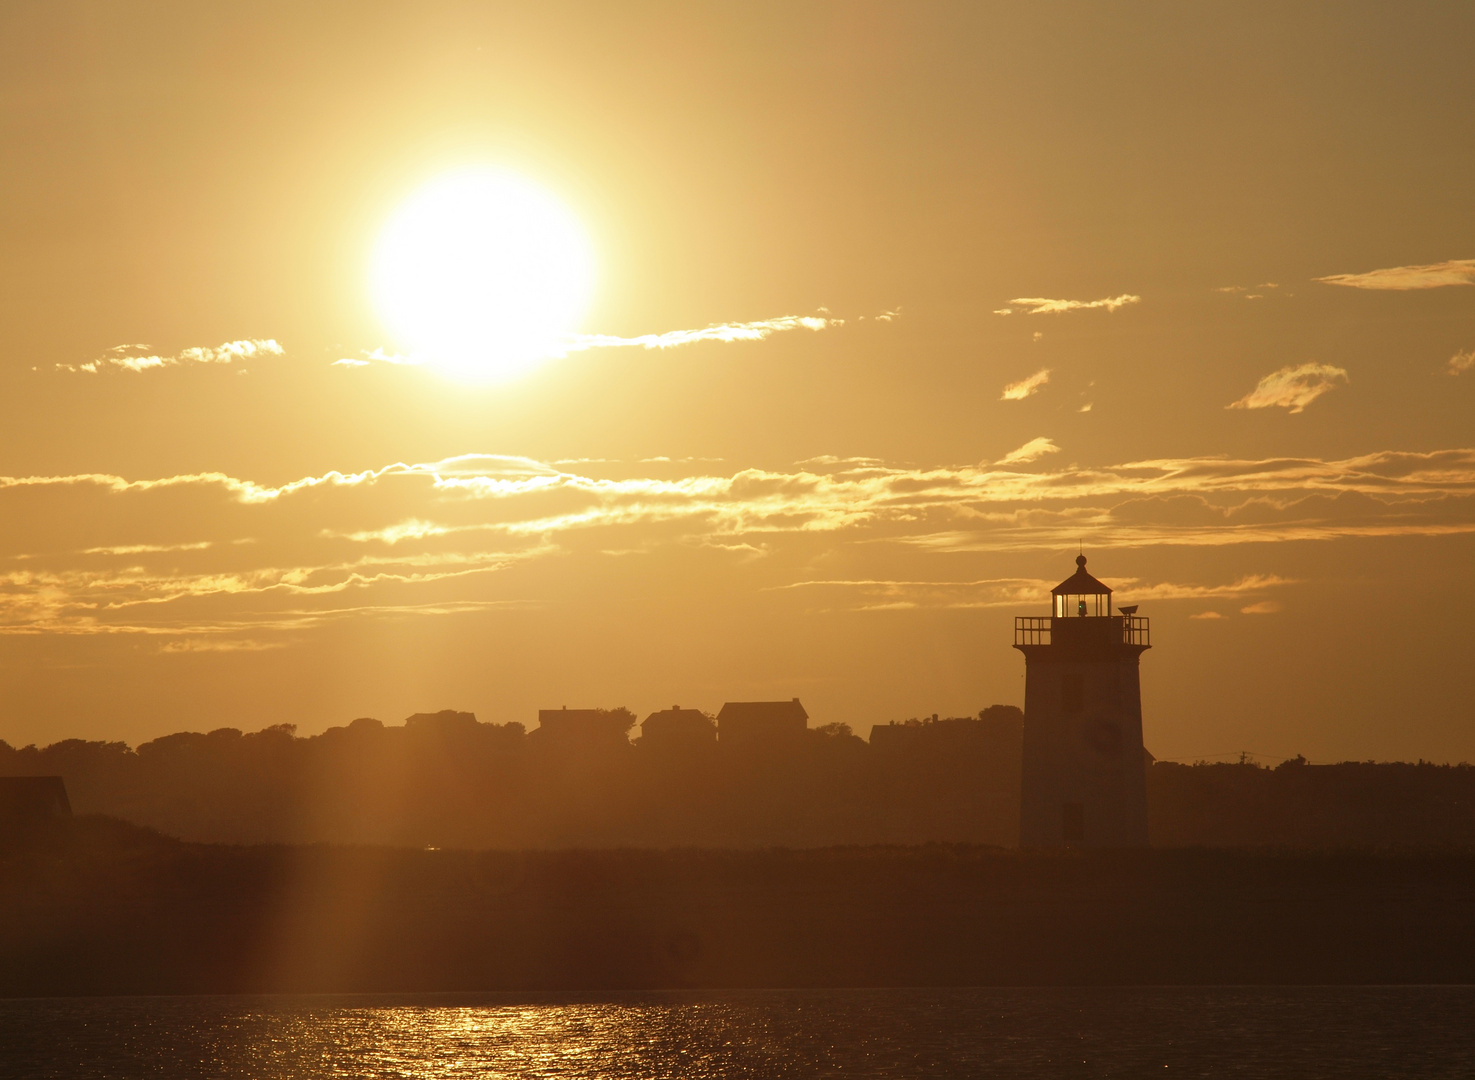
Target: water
x: 1300, y: 1032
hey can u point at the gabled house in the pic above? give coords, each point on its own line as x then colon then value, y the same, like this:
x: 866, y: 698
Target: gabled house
x: 761, y: 724
x: 677, y: 729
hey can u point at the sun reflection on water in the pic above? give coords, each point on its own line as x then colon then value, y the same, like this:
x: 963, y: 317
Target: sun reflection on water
x: 1270, y: 1032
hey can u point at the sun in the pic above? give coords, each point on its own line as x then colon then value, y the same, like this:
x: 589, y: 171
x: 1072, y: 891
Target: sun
x: 482, y: 274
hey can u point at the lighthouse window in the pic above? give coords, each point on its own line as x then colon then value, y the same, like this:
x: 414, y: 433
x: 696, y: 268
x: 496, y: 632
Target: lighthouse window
x: 1072, y: 693
x: 1081, y: 605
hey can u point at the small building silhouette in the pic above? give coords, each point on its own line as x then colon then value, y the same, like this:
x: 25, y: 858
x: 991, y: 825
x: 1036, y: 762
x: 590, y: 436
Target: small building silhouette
x: 583, y: 728
x: 951, y: 779
x: 26, y: 799
x: 677, y: 729
x: 761, y: 724
x: 996, y: 729
x: 1083, y: 781
x: 905, y: 735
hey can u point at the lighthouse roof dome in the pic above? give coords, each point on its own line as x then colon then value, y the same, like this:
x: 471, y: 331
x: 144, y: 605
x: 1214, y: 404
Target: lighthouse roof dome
x: 1080, y: 583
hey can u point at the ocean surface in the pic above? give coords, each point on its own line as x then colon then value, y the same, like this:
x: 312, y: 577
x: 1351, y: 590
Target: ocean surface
x: 1300, y: 1032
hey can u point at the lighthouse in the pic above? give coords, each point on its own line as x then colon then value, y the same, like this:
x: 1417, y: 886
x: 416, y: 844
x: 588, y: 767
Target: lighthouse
x: 1084, y: 783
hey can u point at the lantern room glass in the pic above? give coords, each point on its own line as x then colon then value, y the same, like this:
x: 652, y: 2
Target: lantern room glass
x: 1082, y: 605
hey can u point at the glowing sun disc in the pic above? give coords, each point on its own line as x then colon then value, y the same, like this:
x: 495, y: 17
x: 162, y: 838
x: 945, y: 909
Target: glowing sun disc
x: 482, y: 274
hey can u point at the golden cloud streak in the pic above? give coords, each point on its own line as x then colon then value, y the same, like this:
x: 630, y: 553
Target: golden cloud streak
x: 1039, y: 305
x: 278, y: 622
x: 1018, y: 391
x: 1292, y: 388
x: 130, y: 358
x: 55, y: 600
x: 724, y: 332
x: 1401, y: 278
x: 885, y: 595
x: 427, y: 524
x: 1030, y: 451
x: 757, y: 330
x: 1106, y: 535
x: 859, y: 491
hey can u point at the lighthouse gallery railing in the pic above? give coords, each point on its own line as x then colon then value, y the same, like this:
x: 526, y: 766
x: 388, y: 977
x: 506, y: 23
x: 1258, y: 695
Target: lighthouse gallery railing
x: 1035, y: 629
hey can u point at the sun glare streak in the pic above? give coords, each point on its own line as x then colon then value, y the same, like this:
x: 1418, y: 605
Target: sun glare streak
x: 482, y: 274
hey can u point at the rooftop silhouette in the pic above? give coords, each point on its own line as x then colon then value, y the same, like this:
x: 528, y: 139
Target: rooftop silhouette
x: 447, y: 780
x: 755, y: 775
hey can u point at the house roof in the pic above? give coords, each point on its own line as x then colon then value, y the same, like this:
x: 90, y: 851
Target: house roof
x: 676, y: 714
x: 763, y: 712
x: 1080, y: 583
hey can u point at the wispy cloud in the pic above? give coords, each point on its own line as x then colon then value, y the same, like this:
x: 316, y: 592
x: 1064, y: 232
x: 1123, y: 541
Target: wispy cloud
x: 1039, y: 305
x: 1106, y: 532
x: 1250, y: 585
x: 726, y: 332
x: 670, y: 339
x: 201, y: 644
x: 163, y: 599
x: 393, y: 534
x: 893, y: 595
x: 98, y: 553
x: 378, y: 355
x: 146, y: 549
x: 1461, y: 362
x: 1256, y: 292
x: 137, y: 358
x: 883, y: 595
x: 1263, y: 607
x: 1292, y: 388
x: 858, y: 481
x: 1030, y: 451
x: 1022, y: 389
x: 1430, y: 276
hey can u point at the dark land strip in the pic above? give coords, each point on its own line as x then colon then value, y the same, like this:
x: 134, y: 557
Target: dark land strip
x: 96, y: 906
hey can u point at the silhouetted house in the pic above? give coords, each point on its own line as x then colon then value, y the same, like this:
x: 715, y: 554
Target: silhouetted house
x: 584, y: 728
x: 447, y: 721
x: 677, y: 729
x: 761, y: 724
x: 25, y: 799
x: 894, y: 737
x: 953, y: 779
x: 995, y: 732
x: 1083, y: 781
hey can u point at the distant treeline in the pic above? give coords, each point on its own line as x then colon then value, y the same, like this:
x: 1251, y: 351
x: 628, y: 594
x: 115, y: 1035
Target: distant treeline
x: 445, y: 780
x: 1295, y: 803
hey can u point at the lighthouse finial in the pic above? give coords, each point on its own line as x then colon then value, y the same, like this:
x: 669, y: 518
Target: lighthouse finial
x: 1081, y: 561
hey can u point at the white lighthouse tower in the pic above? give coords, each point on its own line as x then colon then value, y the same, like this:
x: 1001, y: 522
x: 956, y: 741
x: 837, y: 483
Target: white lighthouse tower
x: 1084, y: 782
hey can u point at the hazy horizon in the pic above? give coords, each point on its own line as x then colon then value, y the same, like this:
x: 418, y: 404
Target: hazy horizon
x: 893, y: 310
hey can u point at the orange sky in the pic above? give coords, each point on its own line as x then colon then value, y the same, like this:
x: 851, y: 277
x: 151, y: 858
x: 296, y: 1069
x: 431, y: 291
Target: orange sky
x: 1261, y: 441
